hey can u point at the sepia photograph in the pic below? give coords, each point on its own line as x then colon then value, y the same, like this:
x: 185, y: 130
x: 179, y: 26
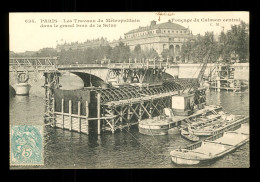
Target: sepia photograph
x: 129, y: 90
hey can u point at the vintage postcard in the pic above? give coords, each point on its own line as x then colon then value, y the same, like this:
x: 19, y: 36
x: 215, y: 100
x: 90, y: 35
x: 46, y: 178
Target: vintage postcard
x: 129, y: 90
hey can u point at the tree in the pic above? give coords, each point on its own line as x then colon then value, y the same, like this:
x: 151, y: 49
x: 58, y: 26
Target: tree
x: 235, y: 43
x: 186, y: 51
x: 239, y: 41
x: 198, y: 49
x: 210, y: 46
x: 137, y: 52
x: 165, y: 53
x: 120, y: 53
x: 152, y: 54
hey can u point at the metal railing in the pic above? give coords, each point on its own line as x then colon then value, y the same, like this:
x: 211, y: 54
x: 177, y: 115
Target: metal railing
x: 117, y: 65
x: 32, y: 63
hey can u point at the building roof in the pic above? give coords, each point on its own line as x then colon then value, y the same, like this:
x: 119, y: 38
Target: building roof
x: 166, y: 25
x: 170, y: 25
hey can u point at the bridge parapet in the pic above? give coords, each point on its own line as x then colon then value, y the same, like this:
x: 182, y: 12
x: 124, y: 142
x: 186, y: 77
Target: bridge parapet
x: 81, y: 66
x: 137, y: 65
x: 32, y: 64
x: 115, y: 66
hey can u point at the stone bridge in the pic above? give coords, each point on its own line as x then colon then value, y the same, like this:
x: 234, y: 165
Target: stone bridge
x: 33, y: 68
x: 106, y: 72
x: 99, y: 74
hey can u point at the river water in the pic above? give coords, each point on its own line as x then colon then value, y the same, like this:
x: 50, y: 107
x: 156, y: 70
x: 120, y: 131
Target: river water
x: 65, y: 149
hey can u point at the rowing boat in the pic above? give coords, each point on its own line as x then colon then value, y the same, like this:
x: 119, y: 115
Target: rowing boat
x: 189, y: 135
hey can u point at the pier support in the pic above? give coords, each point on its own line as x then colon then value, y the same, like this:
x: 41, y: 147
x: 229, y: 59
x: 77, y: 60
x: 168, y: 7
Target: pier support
x: 113, y: 123
x: 87, y: 115
x: 62, y: 112
x: 218, y: 84
x: 70, y: 112
x: 98, y: 113
x: 79, y: 119
x: 51, y: 82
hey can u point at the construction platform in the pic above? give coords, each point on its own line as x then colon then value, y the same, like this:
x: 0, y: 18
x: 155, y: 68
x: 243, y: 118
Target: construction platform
x: 109, y: 109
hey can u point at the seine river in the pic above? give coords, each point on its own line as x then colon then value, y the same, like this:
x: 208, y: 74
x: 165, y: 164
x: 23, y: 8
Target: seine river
x: 65, y: 149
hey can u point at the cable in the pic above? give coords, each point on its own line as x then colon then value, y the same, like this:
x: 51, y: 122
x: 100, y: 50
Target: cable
x: 140, y: 142
x: 145, y: 146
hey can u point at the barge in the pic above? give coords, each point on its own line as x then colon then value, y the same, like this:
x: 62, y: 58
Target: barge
x: 211, y: 148
x: 217, y: 126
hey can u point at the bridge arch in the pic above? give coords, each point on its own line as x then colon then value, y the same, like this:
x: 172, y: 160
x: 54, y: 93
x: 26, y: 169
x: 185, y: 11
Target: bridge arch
x: 90, y: 80
x: 168, y: 76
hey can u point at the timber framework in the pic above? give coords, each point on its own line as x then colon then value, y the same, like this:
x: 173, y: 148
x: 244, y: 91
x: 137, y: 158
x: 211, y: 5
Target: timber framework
x: 108, y: 109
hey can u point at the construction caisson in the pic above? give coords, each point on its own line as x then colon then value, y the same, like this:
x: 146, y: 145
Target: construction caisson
x: 134, y: 97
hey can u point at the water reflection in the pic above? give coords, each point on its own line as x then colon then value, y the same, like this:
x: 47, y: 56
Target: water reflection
x: 23, y: 99
x: 93, y: 140
x: 65, y: 149
x: 69, y: 81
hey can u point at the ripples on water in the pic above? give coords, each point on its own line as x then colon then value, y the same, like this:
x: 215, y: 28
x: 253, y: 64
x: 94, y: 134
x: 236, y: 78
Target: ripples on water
x: 64, y: 149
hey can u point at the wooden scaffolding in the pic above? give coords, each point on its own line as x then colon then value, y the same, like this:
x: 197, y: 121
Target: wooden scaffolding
x: 108, y: 109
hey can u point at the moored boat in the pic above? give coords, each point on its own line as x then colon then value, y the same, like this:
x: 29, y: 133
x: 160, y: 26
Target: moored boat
x: 154, y: 126
x: 211, y: 148
x: 218, y: 126
x: 189, y: 135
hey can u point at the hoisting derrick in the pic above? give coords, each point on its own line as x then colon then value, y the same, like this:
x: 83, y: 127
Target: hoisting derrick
x: 185, y: 102
x: 199, y: 94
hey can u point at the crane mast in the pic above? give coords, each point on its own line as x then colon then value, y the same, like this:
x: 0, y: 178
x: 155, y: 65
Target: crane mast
x: 183, y: 104
x: 196, y: 84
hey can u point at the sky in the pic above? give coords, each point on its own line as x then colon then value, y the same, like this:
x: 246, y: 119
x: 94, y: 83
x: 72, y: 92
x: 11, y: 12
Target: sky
x: 34, y: 31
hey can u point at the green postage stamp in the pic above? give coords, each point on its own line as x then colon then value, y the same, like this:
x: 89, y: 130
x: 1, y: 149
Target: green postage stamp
x: 26, y: 145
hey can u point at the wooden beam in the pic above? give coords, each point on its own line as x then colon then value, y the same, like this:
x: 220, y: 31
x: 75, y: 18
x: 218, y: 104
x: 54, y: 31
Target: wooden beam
x: 87, y: 115
x: 79, y: 119
x: 98, y: 112
x: 53, y: 113
x: 62, y: 112
x: 70, y: 114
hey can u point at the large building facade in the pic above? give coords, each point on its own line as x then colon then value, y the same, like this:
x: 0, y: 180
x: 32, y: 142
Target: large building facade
x: 160, y: 37
x: 166, y: 36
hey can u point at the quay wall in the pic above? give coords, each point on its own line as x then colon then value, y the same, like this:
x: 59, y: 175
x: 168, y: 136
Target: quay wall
x: 192, y: 70
x: 241, y: 71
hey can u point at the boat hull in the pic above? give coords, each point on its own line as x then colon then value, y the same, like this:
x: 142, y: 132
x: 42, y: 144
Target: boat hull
x: 198, y: 133
x: 220, y: 130
x: 189, y: 136
x: 190, y: 139
x: 182, y: 161
x: 146, y: 131
x: 174, y: 131
x: 186, y: 161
